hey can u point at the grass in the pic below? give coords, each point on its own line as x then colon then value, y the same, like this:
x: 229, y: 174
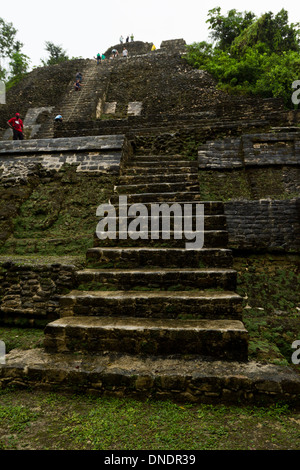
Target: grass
x: 49, y: 421
x: 21, y: 338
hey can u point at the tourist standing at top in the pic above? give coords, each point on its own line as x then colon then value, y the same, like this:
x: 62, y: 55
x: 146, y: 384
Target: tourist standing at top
x: 121, y: 39
x: 16, y: 125
x: 132, y: 37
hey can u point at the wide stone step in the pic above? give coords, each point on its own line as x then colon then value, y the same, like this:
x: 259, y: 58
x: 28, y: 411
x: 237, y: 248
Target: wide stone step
x: 157, y: 158
x: 165, y: 279
x: 211, y: 222
x: 159, y: 178
x: 155, y: 170
x: 167, y: 197
x: 157, y: 187
x: 189, y: 240
x: 188, y: 378
x: 158, y: 257
x: 163, y: 164
x: 152, y: 304
x: 221, y: 339
x: 167, y: 208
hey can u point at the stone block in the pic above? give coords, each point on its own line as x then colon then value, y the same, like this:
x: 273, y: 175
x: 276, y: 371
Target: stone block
x: 110, y: 108
x: 135, y: 108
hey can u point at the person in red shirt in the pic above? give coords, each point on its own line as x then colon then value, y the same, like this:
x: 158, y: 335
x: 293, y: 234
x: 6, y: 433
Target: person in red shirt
x: 17, y: 126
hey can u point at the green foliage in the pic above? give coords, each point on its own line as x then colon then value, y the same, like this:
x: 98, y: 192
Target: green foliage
x: 8, y: 45
x: 251, y: 56
x: 8, y: 42
x: 19, y: 65
x: 273, y: 33
x: 56, y: 54
x: 225, y: 29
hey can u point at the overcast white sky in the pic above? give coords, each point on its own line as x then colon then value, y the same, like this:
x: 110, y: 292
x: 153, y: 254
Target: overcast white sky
x: 86, y: 27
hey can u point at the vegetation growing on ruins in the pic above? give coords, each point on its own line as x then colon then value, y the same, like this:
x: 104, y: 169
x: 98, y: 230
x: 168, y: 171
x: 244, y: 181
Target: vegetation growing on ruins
x: 250, y: 55
x: 52, y: 421
x: 56, y: 217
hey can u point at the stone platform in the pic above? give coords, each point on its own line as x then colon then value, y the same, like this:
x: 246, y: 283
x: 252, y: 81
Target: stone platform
x: 179, y: 378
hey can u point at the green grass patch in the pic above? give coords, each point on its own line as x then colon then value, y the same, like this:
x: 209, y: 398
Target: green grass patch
x: 21, y: 338
x: 49, y: 421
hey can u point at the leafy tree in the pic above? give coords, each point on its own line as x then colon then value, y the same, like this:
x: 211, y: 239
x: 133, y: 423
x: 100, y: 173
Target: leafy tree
x: 224, y: 29
x: 263, y: 59
x: 8, y: 41
x: 19, y: 65
x: 274, y: 32
x: 8, y: 44
x: 56, y: 54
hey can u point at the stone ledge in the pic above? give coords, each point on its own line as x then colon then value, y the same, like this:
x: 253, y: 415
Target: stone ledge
x: 98, y: 155
x: 63, y: 144
x: 189, y: 379
x: 251, y: 150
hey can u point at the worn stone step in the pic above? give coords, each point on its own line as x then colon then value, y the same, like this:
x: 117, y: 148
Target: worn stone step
x: 155, y: 170
x: 195, y: 239
x: 157, y: 187
x: 188, y: 378
x: 217, y: 339
x: 163, y: 157
x: 158, y: 257
x: 174, y: 279
x: 167, y: 197
x: 159, y: 178
x: 162, y: 164
x: 211, y: 222
x: 179, y: 207
x: 152, y: 304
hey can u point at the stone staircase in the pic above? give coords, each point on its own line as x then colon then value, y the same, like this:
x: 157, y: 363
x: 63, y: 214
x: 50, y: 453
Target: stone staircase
x: 150, y: 318
x: 156, y: 298
x: 75, y: 103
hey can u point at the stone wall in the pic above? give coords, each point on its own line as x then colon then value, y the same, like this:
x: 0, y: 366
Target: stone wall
x: 264, y: 225
x: 257, y: 176
x: 281, y: 148
x: 50, y: 189
x: 101, y: 154
x: 29, y: 293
